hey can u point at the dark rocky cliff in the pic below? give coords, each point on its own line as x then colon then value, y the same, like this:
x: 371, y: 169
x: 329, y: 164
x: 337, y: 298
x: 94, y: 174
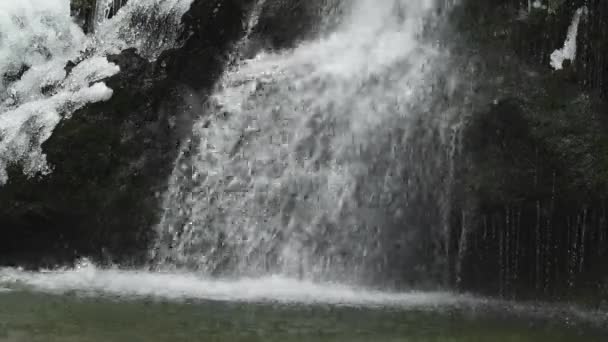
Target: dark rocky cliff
x: 530, y: 217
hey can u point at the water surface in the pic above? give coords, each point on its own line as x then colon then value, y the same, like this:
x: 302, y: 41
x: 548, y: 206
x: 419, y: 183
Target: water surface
x: 91, y: 304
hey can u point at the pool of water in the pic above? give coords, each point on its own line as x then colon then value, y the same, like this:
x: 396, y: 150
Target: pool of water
x: 108, y: 305
x: 32, y: 317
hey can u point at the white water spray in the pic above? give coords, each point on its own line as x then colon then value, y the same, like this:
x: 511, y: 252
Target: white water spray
x: 89, y: 280
x: 304, y: 164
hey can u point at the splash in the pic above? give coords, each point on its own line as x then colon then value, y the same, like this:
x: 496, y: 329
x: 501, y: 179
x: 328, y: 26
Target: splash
x: 305, y: 163
x: 90, y: 281
x: 87, y: 279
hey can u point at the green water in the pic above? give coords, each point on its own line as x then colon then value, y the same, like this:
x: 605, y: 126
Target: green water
x: 31, y: 317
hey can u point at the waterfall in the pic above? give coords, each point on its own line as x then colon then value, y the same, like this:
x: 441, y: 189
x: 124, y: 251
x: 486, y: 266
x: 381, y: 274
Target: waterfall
x: 326, y: 162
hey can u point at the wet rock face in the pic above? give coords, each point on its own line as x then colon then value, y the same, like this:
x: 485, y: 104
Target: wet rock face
x: 535, y: 34
x: 283, y: 23
x: 83, y: 12
x: 530, y: 206
x: 538, y: 226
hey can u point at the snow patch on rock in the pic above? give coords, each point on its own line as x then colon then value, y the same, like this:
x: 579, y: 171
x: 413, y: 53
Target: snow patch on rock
x: 568, y: 52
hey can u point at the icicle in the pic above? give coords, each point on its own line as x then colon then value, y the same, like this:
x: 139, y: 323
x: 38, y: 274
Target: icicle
x: 462, y: 247
x: 507, y: 248
x: 538, y: 247
x: 581, y: 259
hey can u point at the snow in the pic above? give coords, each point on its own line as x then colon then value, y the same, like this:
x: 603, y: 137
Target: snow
x: 568, y: 52
x: 37, y: 39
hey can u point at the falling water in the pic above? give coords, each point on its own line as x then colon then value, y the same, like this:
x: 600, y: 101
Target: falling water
x: 105, y: 9
x: 326, y: 162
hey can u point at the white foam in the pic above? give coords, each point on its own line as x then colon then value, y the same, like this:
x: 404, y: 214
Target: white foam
x: 178, y: 286
x: 33, y: 30
x: 88, y: 280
